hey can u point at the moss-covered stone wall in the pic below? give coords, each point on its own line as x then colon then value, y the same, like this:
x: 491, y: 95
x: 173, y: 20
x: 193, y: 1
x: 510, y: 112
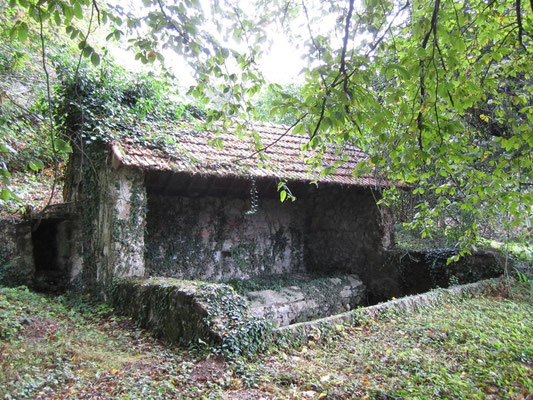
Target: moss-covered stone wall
x: 423, y: 270
x: 16, y: 254
x: 186, y: 311
x: 111, y: 206
x: 214, y: 238
x: 128, y: 209
x: 306, y: 297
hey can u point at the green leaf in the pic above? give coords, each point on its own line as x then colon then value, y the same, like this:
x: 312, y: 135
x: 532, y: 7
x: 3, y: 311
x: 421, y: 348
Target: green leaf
x: 6, y: 194
x: 67, y: 11
x: 5, y: 148
x: 95, y: 59
x: 282, y: 195
x: 4, y: 172
x: 78, y: 12
x: 63, y: 146
x: 57, y: 18
x: 87, y: 51
x: 22, y: 32
x: 36, y: 165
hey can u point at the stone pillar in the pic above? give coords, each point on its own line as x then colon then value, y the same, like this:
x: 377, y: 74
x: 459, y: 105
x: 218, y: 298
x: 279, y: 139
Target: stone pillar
x: 127, y: 194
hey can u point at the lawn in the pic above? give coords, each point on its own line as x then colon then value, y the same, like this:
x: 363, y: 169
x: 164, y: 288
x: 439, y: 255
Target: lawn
x: 475, y: 348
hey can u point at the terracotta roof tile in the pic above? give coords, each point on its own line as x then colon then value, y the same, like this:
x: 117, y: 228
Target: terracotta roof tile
x: 285, y: 151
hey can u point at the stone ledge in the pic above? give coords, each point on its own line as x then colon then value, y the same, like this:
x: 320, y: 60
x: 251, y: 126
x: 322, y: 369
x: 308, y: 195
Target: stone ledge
x: 408, y: 304
x: 307, y: 299
x: 169, y: 307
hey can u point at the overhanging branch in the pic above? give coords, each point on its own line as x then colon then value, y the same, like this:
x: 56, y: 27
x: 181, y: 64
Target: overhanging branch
x: 432, y: 29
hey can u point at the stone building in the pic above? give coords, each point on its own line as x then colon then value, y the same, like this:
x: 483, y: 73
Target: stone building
x: 187, y: 209
x: 203, y: 206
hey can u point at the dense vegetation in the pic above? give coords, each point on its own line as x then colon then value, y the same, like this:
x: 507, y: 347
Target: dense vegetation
x: 476, y: 348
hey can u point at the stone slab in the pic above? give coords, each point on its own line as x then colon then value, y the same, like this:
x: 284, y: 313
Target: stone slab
x: 311, y: 299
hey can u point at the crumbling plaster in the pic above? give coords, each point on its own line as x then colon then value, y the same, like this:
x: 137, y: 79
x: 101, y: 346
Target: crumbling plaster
x: 111, y: 205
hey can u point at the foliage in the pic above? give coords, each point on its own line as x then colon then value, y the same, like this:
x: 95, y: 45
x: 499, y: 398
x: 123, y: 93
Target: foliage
x: 242, y: 334
x: 439, y: 93
x: 518, y: 249
x: 271, y: 97
x: 409, y: 93
x: 99, y: 104
x: 469, y: 348
x: 194, y: 312
x: 26, y: 141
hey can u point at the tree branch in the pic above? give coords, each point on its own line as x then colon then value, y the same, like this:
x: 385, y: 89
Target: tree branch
x: 169, y: 20
x: 518, y: 7
x: 377, y: 42
x: 320, y: 118
x: 342, y: 68
x: 314, y: 42
x: 264, y: 149
x: 374, y: 45
x: 50, y: 117
x: 432, y: 29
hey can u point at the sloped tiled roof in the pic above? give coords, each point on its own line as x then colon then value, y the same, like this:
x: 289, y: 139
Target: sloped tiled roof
x: 193, y: 152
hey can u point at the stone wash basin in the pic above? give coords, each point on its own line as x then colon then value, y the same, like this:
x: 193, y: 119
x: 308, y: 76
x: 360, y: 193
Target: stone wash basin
x: 288, y: 299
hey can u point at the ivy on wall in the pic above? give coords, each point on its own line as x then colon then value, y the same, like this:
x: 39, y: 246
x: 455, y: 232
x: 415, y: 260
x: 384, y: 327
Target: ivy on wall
x: 186, y: 311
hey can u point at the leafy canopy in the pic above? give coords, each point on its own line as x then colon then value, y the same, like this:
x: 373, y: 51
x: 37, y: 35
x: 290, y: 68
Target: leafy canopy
x: 438, y: 92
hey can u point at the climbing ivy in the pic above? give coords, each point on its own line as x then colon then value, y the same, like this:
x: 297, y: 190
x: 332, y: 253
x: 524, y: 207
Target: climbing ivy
x: 193, y: 311
x: 242, y: 334
x: 106, y: 103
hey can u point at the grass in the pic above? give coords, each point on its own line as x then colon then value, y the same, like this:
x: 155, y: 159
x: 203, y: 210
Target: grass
x: 476, y: 348
x: 520, y: 250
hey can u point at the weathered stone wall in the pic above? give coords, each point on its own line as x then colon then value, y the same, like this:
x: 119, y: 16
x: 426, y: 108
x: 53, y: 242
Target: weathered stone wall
x: 211, y: 238
x: 423, y: 270
x: 111, y: 204
x: 170, y: 308
x: 16, y: 254
x: 68, y: 255
x: 347, y: 232
x: 127, y: 194
x: 185, y: 311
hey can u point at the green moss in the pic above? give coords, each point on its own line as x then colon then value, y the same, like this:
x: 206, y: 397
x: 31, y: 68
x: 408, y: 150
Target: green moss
x: 189, y: 238
x: 185, y: 311
x: 240, y: 255
x: 15, y: 269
